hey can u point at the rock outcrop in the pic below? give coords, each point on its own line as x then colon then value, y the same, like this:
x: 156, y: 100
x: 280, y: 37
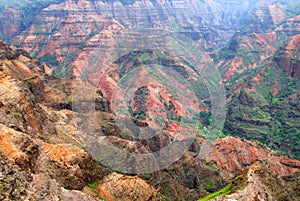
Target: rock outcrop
x: 16, y: 184
x: 233, y: 154
x: 37, y: 145
x: 260, y: 184
x: 119, y: 187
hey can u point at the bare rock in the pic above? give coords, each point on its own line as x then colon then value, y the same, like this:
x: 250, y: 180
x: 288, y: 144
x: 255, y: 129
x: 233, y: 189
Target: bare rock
x: 120, y: 187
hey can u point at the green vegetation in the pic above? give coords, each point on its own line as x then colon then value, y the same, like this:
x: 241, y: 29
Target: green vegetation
x: 223, y: 191
x: 205, y: 117
x: 271, y: 119
x: 268, y: 114
x: 93, y: 187
x: 145, y: 57
x: 211, y: 167
x: 61, y: 72
x: 199, y: 89
x: 238, y: 183
x: 173, y: 117
x: 140, y: 99
x: 226, y: 54
x: 49, y: 59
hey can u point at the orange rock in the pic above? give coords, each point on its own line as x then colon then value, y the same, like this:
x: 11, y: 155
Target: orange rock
x: 233, y: 154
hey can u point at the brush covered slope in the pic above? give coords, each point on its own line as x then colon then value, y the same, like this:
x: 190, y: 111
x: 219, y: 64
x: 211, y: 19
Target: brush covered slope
x: 261, y: 73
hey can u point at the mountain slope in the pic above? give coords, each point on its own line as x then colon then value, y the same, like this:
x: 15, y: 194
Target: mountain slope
x: 257, y: 183
x: 262, y: 77
x: 40, y: 140
x: 57, y: 31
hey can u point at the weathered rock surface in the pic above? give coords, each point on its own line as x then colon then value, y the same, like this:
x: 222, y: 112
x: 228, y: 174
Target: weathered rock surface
x: 39, y: 143
x: 16, y: 184
x: 233, y: 154
x: 262, y: 185
x: 68, y: 165
x: 119, y: 187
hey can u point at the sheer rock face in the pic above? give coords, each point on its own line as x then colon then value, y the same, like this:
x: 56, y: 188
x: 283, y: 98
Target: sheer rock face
x: 62, y: 31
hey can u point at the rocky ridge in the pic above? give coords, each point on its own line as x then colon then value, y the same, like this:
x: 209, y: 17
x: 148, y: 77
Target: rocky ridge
x: 260, y: 184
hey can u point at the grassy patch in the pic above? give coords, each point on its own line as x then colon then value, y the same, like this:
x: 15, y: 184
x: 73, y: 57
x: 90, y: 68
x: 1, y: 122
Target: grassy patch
x: 211, y: 167
x: 49, y: 59
x: 93, y: 187
x: 224, y: 191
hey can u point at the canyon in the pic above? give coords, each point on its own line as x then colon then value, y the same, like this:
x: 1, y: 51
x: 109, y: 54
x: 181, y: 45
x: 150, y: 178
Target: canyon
x: 48, y: 126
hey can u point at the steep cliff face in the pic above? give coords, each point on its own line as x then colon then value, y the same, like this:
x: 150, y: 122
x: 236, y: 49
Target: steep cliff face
x: 253, y: 43
x: 265, y: 32
x: 268, y: 111
x: 58, y: 33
